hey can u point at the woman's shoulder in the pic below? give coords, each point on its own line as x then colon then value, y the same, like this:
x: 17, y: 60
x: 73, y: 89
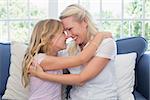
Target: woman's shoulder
x: 107, y: 42
x: 107, y: 48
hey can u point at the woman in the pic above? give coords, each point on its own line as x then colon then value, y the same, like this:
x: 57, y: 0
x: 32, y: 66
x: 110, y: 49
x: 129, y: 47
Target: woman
x: 95, y: 79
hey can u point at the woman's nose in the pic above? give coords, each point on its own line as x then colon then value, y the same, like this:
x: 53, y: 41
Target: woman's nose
x: 68, y: 36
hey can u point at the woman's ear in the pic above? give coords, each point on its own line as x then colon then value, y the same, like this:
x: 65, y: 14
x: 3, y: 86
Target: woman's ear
x: 85, y: 21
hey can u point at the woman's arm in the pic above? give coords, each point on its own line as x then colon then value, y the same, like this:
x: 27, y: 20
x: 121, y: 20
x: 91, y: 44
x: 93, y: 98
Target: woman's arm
x: 88, y: 73
x: 56, y: 63
x: 92, y: 69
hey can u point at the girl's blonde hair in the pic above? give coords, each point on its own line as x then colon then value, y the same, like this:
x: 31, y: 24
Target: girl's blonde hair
x: 40, y: 42
x: 79, y: 14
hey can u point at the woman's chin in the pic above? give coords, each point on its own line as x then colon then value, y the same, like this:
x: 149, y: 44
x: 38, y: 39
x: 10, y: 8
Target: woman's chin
x: 77, y: 42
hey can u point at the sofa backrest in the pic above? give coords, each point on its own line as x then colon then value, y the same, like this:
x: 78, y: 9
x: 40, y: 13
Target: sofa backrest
x: 4, y: 65
x: 132, y: 44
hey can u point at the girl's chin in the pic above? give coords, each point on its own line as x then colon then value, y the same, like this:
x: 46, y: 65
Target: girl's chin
x: 64, y: 47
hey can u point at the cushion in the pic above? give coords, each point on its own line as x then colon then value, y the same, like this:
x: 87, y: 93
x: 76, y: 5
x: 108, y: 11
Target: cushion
x: 4, y: 65
x: 138, y: 96
x: 143, y: 79
x: 125, y: 64
x: 14, y: 88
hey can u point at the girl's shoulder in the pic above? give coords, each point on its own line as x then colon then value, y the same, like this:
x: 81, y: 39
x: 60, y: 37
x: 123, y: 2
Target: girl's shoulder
x: 39, y: 57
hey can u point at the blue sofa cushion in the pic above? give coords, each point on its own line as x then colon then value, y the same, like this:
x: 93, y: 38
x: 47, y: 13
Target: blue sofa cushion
x: 142, y: 72
x: 4, y: 65
x: 138, y: 96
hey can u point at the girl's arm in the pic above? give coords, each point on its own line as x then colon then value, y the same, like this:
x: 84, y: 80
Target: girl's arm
x: 88, y: 73
x: 56, y: 63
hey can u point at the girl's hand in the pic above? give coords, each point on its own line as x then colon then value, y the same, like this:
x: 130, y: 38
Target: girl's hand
x: 99, y: 37
x: 106, y: 34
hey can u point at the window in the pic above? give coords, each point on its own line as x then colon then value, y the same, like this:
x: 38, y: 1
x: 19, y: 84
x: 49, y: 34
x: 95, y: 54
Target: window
x: 122, y: 17
x: 17, y: 18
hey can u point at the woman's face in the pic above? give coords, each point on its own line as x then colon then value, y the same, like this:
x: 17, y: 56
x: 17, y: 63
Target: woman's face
x: 77, y: 30
x: 59, y: 41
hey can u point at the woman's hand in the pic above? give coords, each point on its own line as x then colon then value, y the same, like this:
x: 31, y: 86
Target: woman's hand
x: 36, y: 70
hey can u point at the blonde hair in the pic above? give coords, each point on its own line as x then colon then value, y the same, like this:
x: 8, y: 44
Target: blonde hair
x: 79, y: 15
x: 40, y: 41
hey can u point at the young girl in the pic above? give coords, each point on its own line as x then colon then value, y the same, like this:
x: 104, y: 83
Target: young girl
x: 47, y: 39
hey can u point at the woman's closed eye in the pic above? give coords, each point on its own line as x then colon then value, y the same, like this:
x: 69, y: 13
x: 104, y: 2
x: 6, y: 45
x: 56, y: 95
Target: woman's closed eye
x: 69, y: 29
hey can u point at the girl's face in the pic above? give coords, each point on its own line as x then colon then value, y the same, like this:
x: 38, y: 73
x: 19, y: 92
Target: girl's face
x: 77, y: 30
x: 59, y: 41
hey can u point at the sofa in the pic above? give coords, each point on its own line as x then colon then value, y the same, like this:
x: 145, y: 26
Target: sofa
x: 126, y: 45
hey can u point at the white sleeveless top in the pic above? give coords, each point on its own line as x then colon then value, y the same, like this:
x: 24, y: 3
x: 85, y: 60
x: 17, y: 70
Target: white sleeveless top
x: 103, y: 86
